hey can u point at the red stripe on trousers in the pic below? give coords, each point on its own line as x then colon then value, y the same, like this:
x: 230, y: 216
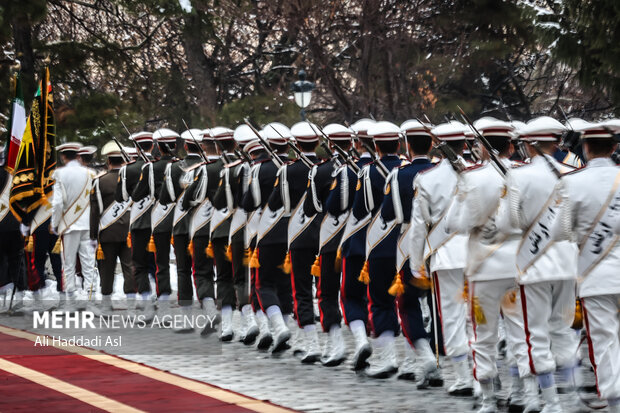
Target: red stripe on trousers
x: 472, y: 315
x: 343, y: 293
x: 527, y: 330
x: 586, y: 321
x: 295, y: 303
x: 438, y: 299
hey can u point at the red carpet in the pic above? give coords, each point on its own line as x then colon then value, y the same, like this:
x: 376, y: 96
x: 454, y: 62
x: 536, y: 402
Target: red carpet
x: 131, y: 384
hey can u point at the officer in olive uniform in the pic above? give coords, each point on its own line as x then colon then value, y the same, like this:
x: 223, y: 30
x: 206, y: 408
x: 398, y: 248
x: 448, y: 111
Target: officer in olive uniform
x: 150, y: 185
x: 109, y: 224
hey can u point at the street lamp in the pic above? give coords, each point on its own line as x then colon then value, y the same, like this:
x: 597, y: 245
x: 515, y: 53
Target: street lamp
x: 302, y: 89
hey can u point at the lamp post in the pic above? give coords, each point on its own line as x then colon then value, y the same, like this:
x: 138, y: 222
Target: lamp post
x: 302, y: 90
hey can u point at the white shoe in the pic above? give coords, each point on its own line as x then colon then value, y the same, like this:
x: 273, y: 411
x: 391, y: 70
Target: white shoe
x: 489, y: 404
x: 531, y: 401
x: 336, y: 354
x: 407, y: 368
x: 250, y: 327
x: 264, y: 338
x: 148, y: 310
x: 363, y: 349
x: 313, y: 349
x: 552, y: 401
x: 463, y: 385
x: 515, y: 395
x: 186, y: 326
x: 106, y: 305
x: 213, y: 317
x: 432, y: 374
x: 227, y: 324
x: 163, y: 309
x: 281, y: 333
x: 297, y: 341
x: 386, y: 364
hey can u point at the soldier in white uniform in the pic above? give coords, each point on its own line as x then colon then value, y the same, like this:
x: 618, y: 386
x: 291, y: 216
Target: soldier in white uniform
x: 434, y: 193
x: 546, y: 269
x: 590, y: 203
x: 491, y: 266
x: 71, y: 220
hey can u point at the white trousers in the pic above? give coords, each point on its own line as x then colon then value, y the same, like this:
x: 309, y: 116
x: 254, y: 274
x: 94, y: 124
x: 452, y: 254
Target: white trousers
x: 548, y: 313
x: 492, y: 296
x: 602, y: 322
x: 74, y: 244
x: 449, y: 286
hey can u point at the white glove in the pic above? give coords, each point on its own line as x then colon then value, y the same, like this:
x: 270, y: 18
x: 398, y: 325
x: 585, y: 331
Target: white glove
x: 24, y: 229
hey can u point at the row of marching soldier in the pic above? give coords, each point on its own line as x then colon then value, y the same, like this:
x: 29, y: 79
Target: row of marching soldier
x: 380, y: 232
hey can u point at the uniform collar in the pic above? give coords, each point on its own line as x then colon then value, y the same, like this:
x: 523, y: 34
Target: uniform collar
x: 599, y: 162
x: 365, y: 155
x: 419, y: 158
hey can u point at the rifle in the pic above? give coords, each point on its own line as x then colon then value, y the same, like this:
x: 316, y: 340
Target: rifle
x: 446, y: 150
x: 492, y: 152
x: 243, y: 155
x: 570, y: 139
x: 203, y: 155
x: 326, y: 140
x: 138, y: 147
x: 551, y: 166
x: 474, y: 153
x: 123, y: 153
x: 295, y: 149
x: 274, y: 156
x: 353, y: 151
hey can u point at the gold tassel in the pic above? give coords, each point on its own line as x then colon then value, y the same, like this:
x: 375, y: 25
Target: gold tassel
x: 254, y: 263
x: 246, y: 257
x: 338, y: 262
x: 398, y: 288
x: 423, y: 283
x: 57, y: 246
x: 151, y: 246
x: 286, y: 266
x: 578, y: 319
x: 30, y: 244
x: 172, y: 241
x: 478, y: 312
x: 229, y: 253
x: 129, y: 240
x: 100, y: 255
x: 466, y: 292
x: 209, y: 250
x: 190, y: 248
x: 316, y: 267
x: 364, y: 275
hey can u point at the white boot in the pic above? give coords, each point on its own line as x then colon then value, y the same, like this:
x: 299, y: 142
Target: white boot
x: 614, y: 405
x: 213, y: 318
x: 313, y: 348
x: 186, y: 323
x: 264, y: 338
x: 531, y: 401
x: 515, y: 395
x: 385, y: 364
x: 363, y: 349
x: 406, y: 371
x: 250, y: 327
x: 227, y: 323
x: 297, y: 341
x: 281, y: 333
x: 106, y: 305
x: 148, y: 307
x: 337, y: 349
x: 463, y: 385
x: 552, y: 401
x: 432, y: 375
x: 163, y: 309
x: 17, y: 305
x: 489, y: 405
x: 131, y: 303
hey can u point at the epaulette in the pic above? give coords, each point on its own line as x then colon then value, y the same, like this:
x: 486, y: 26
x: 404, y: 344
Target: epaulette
x: 234, y: 163
x: 571, y: 168
x: 474, y: 167
x: 100, y: 174
x: 514, y: 164
x: 574, y: 171
x: 428, y: 169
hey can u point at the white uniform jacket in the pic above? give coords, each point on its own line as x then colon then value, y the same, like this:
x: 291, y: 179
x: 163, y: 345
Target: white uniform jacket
x: 528, y: 190
x: 491, y: 255
x: 72, y: 180
x: 585, y: 193
x: 433, y: 194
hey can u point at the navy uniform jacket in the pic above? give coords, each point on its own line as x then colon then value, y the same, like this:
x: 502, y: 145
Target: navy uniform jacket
x: 142, y: 189
x: 360, y: 208
x: 297, y: 177
x: 212, y: 169
x: 406, y: 174
x: 177, y: 172
x: 133, y: 171
x: 219, y: 197
x: 116, y: 232
x: 355, y: 245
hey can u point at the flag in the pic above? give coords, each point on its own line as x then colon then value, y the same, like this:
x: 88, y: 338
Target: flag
x: 16, y: 125
x: 36, y: 160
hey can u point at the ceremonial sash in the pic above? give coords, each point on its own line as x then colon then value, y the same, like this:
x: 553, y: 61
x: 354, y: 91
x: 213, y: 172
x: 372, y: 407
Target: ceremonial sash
x: 402, y: 246
x: 43, y: 214
x: 188, y: 177
x: 237, y: 222
x: 72, y: 213
x: 330, y: 227
x: 537, y: 239
x: 139, y: 208
x: 201, y: 217
x: 4, y: 198
x: 219, y: 217
x: 377, y: 231
x: 113, y: 213
x: 438, y: 234
x: 268, y: 220
x: 481, y: 252
x: 298, y: 222
x: 601, y: 238
x: 252, y: 226
x: 159, y: 214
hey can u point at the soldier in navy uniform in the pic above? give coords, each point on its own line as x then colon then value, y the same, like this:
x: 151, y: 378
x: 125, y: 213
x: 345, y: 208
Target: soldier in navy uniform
x: 273, y: 286
x: 176, y: 179
x: 150, y: 184
x: 139, y: 228
x: 112, y: 238
x: 329, y: 274
x: 288, y: 194
x: 396, y: 208
x: 352, y: 291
